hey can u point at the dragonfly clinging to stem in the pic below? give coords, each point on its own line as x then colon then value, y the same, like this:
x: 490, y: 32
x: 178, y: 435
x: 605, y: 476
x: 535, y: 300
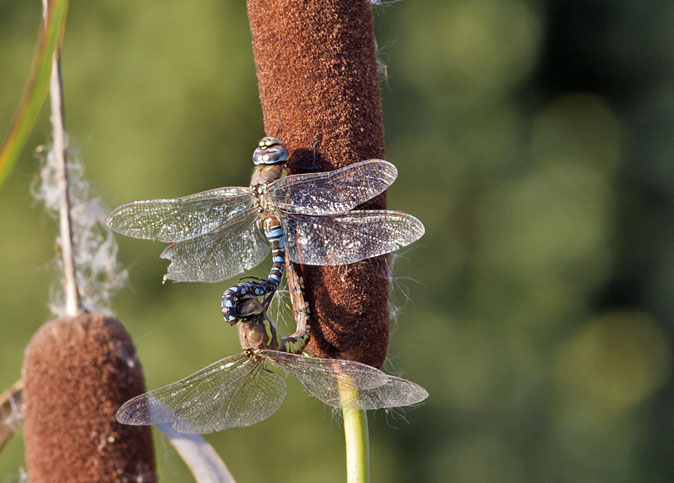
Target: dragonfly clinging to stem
x: 309, y: 218
x: 241, y: 390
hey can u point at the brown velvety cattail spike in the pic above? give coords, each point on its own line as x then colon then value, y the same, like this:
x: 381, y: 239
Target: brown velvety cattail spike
x: 77, y: 372
x: 317, y: 75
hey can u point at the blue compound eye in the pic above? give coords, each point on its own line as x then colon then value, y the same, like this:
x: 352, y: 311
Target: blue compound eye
x: 270, y: 150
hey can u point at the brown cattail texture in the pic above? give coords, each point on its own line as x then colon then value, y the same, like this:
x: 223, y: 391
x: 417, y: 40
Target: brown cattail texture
x: 317, y: 75
x: 77, y: 372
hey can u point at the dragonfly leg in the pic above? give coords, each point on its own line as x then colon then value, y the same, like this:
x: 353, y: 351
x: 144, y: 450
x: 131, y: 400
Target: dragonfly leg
x: 314, y: 158
x: 258, y: 279
x: 313, y: 148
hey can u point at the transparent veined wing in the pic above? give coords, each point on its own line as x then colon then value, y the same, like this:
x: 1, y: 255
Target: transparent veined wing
x: 339, y: 383
x: 348, y: 238
x: 234, y: 247
x: 395, y: 393
x: 332, y: 192
x: 234, y: 392
x: 174, y: 220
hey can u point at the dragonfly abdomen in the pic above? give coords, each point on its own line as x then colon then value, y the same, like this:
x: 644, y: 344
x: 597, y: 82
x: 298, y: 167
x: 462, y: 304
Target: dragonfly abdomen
x: 296, y: 342
x: 273, y: 230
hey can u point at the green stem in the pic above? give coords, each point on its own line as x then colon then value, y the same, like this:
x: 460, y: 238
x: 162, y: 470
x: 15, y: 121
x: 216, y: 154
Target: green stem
x: 357, y: 446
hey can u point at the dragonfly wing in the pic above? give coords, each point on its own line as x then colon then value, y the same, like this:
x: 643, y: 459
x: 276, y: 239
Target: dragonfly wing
x: 178, y: 219
x: 395, y: 393
x: 236, y: 246
x: 332, y: 192
x: 350, y: 237
x: 234, y: 392
x: 339, y: 383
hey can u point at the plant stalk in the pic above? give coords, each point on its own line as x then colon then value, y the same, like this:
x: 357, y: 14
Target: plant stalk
x: 73, y: 304
x: 356, y: 436
x: 357, y: 441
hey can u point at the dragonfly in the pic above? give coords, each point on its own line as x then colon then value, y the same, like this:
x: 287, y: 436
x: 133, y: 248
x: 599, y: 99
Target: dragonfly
x: 242, y: 390
x: 308, y: 218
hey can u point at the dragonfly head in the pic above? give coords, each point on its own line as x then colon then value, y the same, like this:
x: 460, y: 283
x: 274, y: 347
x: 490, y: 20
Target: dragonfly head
x: 248, y: 309
x: 270, y: 150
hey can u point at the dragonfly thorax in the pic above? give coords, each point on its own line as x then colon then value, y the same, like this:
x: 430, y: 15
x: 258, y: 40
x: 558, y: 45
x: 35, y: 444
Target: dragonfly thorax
x: 270, y: 150
x: 258, y: 333
x: 262, y: 176
x: 260, y: 199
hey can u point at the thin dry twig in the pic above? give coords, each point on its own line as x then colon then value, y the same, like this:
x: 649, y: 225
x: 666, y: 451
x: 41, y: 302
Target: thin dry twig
x: 11, y: 412
x: 73, y: 304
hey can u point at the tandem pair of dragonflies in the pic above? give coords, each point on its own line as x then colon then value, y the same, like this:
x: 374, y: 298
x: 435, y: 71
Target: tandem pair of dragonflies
x: 216, y: 234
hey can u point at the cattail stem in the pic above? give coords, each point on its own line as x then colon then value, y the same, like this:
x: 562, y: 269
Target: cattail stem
x: 356, y: 436
x: 73, y: 303
x: 357, y: 441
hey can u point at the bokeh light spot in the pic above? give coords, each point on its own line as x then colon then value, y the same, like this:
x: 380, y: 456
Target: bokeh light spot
x: 486, y: 45
x: 577, y: 126
x: 614, y: 362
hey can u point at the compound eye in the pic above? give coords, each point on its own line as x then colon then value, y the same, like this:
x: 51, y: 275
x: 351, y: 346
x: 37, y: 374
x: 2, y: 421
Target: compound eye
x: 270, y: 150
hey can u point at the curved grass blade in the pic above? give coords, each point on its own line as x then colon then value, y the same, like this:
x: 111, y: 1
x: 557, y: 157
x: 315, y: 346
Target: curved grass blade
x: 202, y: 460
x: 37, y: 87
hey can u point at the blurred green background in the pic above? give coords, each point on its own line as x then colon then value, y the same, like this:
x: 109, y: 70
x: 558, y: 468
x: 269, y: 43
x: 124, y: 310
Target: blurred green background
x: 535, y: 141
